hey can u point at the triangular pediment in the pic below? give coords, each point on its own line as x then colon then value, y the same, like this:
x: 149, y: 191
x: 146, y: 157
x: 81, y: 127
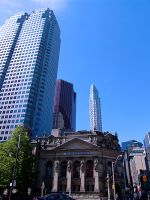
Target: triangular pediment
x: 77, y: 144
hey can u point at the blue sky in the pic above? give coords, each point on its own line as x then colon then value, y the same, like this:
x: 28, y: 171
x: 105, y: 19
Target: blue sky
x: 105, y: 42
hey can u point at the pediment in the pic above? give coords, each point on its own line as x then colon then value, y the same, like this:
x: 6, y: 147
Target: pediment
x: 77, y: 144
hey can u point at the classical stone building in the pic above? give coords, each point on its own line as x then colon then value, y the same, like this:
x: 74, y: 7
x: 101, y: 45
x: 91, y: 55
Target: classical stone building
x: 78, y: 163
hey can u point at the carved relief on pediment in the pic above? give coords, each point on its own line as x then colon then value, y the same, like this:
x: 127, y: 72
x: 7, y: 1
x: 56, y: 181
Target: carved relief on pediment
x: 82, y: 145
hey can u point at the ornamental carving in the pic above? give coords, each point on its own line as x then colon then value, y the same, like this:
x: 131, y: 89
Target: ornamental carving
x: 96, y: 165
x: 56, y: 166
x: 69, y: 166
x: 82, y: 166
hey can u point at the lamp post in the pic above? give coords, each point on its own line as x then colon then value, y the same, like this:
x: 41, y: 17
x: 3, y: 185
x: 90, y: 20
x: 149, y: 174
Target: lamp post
x: 108, y: 186
x: 113, y: 174
x: 14, y: 169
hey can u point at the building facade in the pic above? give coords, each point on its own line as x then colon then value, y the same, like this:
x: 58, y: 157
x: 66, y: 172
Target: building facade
x: 95, y: 110
x: 136, y: 167
x: 137, y: 164
x: 29, y: 53
x: 78, y: 163
x: 64, y: 106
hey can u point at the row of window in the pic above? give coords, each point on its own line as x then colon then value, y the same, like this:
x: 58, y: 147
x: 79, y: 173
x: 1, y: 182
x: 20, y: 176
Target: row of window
x: 6, y: 127
x: 14, y: 111
x: 4, y: 138
x: 11, y: 121
x: 14, y: 93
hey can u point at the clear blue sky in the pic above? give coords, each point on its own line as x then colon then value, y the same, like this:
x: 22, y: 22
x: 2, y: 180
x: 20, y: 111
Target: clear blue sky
x: 105, y: 42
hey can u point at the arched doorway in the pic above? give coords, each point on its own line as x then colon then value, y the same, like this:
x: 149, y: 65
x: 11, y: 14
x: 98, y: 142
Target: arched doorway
x: 89, y: 180
x: 49, y: 177
x: 76, y: 177
x: 62, y: 177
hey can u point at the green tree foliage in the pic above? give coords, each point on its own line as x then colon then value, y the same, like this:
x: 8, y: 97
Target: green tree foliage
x: 25, y: 170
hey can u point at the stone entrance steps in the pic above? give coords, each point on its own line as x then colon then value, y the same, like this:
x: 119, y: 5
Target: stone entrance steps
x: 87, y: 197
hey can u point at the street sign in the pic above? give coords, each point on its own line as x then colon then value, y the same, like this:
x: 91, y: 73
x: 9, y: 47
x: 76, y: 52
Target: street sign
x: 14, y: 184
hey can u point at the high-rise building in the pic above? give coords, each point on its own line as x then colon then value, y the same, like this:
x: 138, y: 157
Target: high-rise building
x: 64, y: 106
x: 29, y: 54
x: 147, y: 140
x: 126, y: 146
x: 95, y: 110
x: 147, y: 149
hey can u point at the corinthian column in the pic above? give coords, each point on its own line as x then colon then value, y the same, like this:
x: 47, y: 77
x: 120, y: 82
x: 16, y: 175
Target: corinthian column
x: 82, y: 176
x: 68, y: 189
x: 96, y: 185
x: 55, y: 180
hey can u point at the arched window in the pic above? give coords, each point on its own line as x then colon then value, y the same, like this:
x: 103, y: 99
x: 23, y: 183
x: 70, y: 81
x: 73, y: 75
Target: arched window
x: 49, y: 169
x: 63, y: 169
x: 76, y: 169
x: 89, y: 168
x: 109, y: 168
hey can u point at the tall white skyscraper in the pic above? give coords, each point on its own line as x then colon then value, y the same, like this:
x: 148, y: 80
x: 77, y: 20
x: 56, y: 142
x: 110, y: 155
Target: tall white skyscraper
x: 95, y: 110
x: 29, y: 53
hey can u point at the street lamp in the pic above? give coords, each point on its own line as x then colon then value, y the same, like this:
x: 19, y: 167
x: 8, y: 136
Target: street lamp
x: 113, y: 174
x: 108, y: 185
x: 13, y: 182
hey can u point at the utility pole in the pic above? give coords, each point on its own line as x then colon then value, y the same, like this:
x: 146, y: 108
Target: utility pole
x: 108, y: 186
x: 14, y: 169
x: 113, y: 174
x: 113, y: 177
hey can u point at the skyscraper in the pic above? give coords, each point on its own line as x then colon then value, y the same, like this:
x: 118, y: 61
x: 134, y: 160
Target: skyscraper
x: 126, y: 146
x: 147, y: 149
x: 29, y: 53
x: 95, y: 110
x: 64, y: 106
x: 147, y: 140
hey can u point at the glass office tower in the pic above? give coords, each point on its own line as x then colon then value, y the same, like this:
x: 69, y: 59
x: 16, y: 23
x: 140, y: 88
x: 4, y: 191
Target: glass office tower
x: 64, y: 106
x: 29, y: 54
x: 95, y: 110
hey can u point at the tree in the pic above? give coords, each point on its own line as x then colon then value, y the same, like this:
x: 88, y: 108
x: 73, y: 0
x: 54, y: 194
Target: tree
x: 25, y: 165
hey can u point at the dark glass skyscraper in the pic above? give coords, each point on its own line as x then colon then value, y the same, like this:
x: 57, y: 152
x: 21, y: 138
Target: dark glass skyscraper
x: 29, y: 53
x: 64, y: 105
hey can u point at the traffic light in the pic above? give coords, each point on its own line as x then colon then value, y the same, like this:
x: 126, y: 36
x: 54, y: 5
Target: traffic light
x: 144, y: 178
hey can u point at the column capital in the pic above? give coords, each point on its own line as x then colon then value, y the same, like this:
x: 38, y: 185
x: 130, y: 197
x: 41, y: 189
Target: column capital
x: 69, y: 165
x: 56, y: 166
x: 96, y: 164
x: 82, y: 166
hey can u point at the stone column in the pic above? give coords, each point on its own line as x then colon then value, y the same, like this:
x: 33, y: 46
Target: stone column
x: 82, y: 176
x: 42, y: 189
x: 55, y: 180
x: 68, y: 189
x: 96, y: 185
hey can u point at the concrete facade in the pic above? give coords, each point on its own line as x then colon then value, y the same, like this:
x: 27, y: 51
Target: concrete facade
x: 135, y: 166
